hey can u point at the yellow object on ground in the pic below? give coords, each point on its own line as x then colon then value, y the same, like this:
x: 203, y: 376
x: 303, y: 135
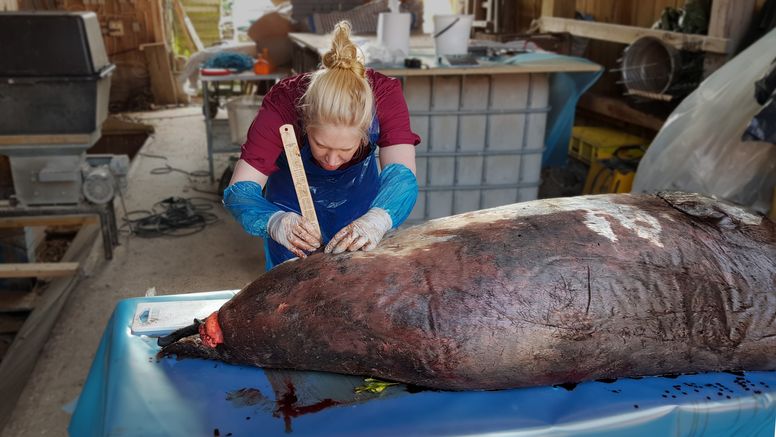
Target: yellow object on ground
x: 615, y: 174
x: 590, y: 144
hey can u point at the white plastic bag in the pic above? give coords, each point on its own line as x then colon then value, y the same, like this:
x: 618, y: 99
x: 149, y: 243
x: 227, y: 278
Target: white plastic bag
x: 699, y: 149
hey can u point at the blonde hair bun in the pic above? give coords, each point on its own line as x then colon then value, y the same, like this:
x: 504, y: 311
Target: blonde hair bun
x: 340, y: 94
x: 343, y: 53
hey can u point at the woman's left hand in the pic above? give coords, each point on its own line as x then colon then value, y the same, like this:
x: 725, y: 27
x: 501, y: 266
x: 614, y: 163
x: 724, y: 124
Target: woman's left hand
x: 363, y: 233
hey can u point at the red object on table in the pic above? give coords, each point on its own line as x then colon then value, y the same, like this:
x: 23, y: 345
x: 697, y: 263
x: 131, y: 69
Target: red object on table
x: 215, y: 71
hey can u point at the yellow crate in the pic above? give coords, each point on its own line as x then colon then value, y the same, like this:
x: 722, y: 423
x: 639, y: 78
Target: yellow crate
x: 601, y: 179
x: 590, y: 144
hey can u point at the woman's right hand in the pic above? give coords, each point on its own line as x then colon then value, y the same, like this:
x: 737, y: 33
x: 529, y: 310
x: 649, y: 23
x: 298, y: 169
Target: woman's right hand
x: 294, y: 232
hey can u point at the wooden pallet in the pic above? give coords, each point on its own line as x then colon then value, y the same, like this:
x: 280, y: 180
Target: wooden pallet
x: 16, y: 304
x: 31, y: 315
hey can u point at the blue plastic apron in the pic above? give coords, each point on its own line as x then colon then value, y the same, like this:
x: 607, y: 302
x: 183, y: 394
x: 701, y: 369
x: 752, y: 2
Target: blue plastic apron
x: 340, y: 196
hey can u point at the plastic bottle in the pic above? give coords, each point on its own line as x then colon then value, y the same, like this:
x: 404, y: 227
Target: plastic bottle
x: 262, y: 65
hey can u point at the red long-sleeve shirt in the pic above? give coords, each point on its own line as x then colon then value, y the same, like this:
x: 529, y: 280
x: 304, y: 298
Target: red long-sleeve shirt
x: 281, y: 106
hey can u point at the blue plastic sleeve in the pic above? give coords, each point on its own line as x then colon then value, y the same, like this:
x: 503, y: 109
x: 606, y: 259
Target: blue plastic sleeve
x: 246, y: 203
x: 398, y: 192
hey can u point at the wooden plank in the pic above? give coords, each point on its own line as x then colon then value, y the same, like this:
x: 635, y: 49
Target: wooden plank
x: 156, y: 21
x: 114, y: 125
x: 619, y: 110
x: 627, y: 34
x: 44, y: 139
x: 729, y: 19
x: 181, y: 20
x: 187, y: 26
x: 52, y: 220
x: 17, y: 365
x: 15, y: 300
x: 38, y: 270
x: 559, y: 8
x: 159, y: 67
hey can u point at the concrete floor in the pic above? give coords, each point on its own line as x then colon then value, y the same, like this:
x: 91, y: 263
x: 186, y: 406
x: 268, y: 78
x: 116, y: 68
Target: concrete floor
x: 221, y: 257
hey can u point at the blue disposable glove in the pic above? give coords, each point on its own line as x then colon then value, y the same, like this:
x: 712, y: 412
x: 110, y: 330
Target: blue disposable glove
x: 393, y: 204
x: 260, y: 217
x: 397, y: 194
x: 249, y: 207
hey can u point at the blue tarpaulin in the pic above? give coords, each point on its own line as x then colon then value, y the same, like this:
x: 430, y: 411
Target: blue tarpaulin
x: 130, y: 392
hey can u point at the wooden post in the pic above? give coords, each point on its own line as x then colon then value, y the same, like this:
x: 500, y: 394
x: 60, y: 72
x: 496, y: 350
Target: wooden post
x: 156, y: 20
x: 559, y: 8
x: 729, y: 19
x: 187, y: 27
x: 159, y: 67
x: 19, y: 361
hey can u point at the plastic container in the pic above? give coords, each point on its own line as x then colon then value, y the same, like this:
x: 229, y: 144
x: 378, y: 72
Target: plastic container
x: 451, y: 34
x: 489, y: 154
x: 242, y: 110
x: 590, y: 144
x: 262, y: 65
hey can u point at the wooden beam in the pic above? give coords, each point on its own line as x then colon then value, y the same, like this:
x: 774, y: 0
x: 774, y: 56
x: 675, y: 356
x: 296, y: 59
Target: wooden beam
x: 187, y: 27
x: 160, y: 69
x: 729, y: 19
x: 156, y: 20
x: 180, y: 19
x: 52, y: 220
x: 559, y: 8
x: 13, y: 140
x: 619, y: 110
x: 15, y: 300
x: 38, y: 270
x: 18, y: 363
x: 627, y: 34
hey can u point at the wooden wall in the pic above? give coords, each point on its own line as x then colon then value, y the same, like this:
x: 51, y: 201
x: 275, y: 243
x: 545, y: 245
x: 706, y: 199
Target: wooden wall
x: 8, y: 5
x: 205, y: 15
x: 126, y: 25
x: 641, y: 13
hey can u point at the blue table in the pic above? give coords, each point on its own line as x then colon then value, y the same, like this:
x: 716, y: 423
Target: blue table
x: 129, y: 392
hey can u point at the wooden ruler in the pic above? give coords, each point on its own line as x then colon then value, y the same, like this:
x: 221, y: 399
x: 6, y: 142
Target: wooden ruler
x: 294, y: 158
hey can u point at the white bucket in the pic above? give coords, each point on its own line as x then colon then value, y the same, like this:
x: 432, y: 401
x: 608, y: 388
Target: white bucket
x: 451, y: 34
x: 242, y: 110
x: 393, y: 31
